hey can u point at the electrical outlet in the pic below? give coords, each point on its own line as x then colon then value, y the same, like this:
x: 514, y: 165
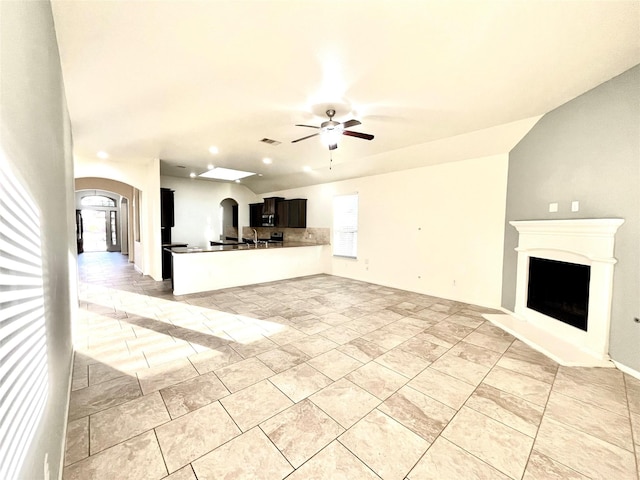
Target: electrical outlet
x: 553, y: 207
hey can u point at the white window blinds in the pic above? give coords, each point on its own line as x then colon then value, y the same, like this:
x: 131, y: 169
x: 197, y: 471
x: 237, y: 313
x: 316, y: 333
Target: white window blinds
x: 345, y: 226
x: 23, y: 345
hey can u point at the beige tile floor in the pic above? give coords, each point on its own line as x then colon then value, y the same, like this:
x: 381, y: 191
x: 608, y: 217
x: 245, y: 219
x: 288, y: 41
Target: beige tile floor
x: 326, y: 378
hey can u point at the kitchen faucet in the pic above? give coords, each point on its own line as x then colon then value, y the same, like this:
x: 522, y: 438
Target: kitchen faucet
x: 255, y: 237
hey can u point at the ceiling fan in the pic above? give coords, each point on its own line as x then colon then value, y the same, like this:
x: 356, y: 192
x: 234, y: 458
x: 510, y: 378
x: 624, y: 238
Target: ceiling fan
x: 331, y: 130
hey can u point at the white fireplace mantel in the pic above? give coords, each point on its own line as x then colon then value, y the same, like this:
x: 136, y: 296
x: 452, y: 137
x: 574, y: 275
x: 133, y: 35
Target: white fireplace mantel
x: 581, y: 241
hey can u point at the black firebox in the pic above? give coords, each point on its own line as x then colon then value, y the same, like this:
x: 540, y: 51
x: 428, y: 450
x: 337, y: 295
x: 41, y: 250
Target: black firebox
x: 559, y: 290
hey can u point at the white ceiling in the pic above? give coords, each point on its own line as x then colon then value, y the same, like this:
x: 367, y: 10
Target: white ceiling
x: 167, y: 79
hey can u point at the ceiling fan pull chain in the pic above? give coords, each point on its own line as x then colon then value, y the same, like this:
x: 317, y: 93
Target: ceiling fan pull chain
x: 330, y: 159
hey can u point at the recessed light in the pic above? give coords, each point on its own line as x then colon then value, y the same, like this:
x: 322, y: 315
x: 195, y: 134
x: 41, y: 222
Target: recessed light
x: 306, y: 169
x: 192, y: 175
x: 259, y: 174
x: 238, y: 180
x: 102, y: 154
x: 210, y: 167
x: 213, y: 149
x: 267, y: 161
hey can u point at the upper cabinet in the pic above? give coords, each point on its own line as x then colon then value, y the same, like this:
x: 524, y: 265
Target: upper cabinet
x: 255, y: 214
x: 292, y: 213
x: 285, y: 214
x: 167, y: 216
x: 282, y: 214
x: 270, y: 205
x: 297, y: 213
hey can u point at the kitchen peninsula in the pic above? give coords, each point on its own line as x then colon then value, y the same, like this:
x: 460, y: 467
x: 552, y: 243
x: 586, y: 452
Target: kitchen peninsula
x: 223, y: 266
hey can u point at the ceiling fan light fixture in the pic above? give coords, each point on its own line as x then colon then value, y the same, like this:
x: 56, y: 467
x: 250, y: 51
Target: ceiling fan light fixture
x: 330, y: 135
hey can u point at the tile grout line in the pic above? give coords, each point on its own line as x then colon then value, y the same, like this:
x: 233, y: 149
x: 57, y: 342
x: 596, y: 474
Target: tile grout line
x: 636, y: 453
x: 463, y: 405
x: 164, y: 461
x: 569, y: 426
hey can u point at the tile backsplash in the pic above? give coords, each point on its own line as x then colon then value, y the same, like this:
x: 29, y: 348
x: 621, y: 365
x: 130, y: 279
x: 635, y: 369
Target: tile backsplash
x: 318, y: 236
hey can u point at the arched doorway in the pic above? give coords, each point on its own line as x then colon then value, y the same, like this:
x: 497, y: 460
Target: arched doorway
x: 105, y: 215
x: 229, y: 219
x: 99, y: 224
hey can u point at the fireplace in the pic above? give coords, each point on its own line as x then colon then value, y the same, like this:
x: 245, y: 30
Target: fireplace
x: 564, y: 285
x: 559, y: 290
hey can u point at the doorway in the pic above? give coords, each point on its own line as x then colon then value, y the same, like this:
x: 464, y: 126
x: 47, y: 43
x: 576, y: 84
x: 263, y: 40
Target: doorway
x: 100, y: 223
x: 229, y: 219
x: 100, y: 230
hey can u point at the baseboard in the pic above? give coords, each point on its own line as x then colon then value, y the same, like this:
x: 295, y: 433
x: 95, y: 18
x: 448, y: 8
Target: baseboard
x: 66, y: 414
x: 627, y: 370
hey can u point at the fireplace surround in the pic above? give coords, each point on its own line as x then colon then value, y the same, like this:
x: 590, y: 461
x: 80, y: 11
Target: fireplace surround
x: 583, y: 242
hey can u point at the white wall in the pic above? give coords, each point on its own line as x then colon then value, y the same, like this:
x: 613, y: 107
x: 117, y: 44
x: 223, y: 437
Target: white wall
x: 197, y: 207
x: 145, y: 176
x: 423, y: 229
x: 35, y: 153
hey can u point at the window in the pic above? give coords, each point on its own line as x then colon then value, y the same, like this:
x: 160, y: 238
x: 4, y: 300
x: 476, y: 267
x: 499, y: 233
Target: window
x: 345, y: 226
x: 97, y: 201
x: 113, y: 217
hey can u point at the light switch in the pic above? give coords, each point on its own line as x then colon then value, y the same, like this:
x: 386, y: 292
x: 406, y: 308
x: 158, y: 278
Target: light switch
x: 553, y: 207
x: 575, y: 206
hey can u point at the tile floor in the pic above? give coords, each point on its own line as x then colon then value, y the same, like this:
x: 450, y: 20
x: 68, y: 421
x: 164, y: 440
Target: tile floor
x: 326, y: 378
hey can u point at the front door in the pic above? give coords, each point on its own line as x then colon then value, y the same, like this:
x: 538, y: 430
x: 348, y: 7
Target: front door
x: 100, y: 230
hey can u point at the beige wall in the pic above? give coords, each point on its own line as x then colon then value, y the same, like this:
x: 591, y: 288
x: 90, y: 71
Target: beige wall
x: 436, y: 230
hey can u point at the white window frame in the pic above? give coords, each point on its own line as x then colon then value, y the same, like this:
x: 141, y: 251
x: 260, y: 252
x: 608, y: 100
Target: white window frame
x: 345, y: 225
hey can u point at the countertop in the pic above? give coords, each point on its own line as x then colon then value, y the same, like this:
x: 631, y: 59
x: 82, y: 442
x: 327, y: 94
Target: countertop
x: 174, y: 244
x: 242, y: 246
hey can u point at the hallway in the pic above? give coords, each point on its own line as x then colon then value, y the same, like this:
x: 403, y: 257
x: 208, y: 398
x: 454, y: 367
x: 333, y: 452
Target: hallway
x: 326, y: 377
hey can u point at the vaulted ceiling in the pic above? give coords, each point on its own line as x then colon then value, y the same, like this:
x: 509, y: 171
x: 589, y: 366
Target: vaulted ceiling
x: 169, y: 79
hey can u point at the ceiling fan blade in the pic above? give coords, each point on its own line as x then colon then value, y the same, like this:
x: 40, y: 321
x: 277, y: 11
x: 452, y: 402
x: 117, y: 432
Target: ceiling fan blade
x: 333, y: 146
x: 304, y: 138
x: 310, y: 126
x: 364, y: 136
x: 351, y: 123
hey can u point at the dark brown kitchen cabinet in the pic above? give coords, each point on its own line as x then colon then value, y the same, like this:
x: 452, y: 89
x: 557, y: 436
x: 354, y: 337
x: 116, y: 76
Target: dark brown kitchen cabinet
x: 270, y: 205
x: 298, y: 213
x: 282, y: 214
x: 292, y: 213
x: 255, y: 214
x: 167, y: 216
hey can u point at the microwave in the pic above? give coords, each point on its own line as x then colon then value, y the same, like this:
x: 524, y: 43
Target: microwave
x: 268, y: 220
